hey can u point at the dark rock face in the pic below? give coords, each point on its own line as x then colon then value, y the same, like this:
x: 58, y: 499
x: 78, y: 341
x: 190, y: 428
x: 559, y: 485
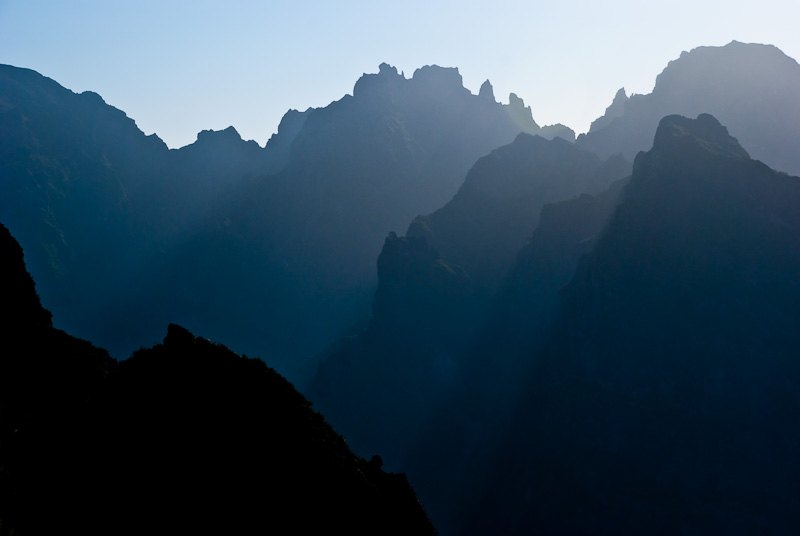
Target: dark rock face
x: 402, y: 367
x: 186, y: 436
x: 665, y: 401
x: 420, y: 363
x: 44, y: 375
x: 528, y: 299
x: 752, y: 89
x: 20, y: 303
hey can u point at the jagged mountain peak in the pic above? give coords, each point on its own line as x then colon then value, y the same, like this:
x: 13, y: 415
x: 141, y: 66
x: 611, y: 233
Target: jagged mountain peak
x: 430, y: 77
x: 520, y: 113
x: 614, y: 110
x: 229, y: 133
x: 372, y: 83
x: 387, y: 70
x: 225, y: 139
x: 487, y: 91
x: 676, y: 130
x: 441, y: 77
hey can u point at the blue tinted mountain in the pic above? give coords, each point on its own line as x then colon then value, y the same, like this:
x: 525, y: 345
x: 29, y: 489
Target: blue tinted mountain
x: 293, y: 255
x: 270, y: 248
x: 402, y: 366
x: 420, y: 362
x: 664, y: 400
x: 752, y: 89
x: 184, y: 437
x: 96, y: 203
x: 497, y: 207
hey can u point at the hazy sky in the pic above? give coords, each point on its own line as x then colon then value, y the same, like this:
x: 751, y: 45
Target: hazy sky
x: 178, y: 67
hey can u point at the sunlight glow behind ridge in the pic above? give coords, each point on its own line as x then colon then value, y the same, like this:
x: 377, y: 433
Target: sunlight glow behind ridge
x: 182, y: 67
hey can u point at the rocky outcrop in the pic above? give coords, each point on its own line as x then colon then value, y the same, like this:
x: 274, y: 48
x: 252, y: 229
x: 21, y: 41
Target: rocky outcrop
x: 615, y: 109
x: 486, y: 91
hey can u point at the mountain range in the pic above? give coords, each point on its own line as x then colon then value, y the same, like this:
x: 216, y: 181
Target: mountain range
x: 591, y: 335
x: 125, y: 235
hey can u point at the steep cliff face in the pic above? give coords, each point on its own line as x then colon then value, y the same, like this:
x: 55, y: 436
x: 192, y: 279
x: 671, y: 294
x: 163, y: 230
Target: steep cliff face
x: 664, y: 400
x: 444, y: 347
x: 752, y: 89
x: 497, y: 207
x: 405, y: 364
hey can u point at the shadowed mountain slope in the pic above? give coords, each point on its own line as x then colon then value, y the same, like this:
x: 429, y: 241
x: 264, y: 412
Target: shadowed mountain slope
x: 183, y: 437
x: 419, y: 362
x: 752, y: 89
x: 665, y: 400
x: 497, y: 207
x: 427, y: 304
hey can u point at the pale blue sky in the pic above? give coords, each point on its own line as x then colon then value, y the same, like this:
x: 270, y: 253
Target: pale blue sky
x: 178, y: 67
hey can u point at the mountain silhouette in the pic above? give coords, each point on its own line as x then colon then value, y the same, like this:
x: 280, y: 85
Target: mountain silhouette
x: 186, y: 436
x: 97, y: 204
x: 269, y: 248
x: 562, y: 343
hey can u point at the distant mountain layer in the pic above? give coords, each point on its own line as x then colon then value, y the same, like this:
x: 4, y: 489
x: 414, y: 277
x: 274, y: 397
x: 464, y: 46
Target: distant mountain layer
x: 752, y: 89
x: 97, y: 204
x: 665, y: 400
x: 294, y: 253
x: 184, y: 437
x: 270, y: 249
